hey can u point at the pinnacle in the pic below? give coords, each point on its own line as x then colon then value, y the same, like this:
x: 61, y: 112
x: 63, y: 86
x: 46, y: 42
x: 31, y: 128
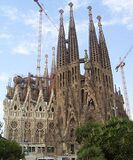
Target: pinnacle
x: 99, y: 18
x: 70, y: 4
x: 61, y: 11
x: 90, y: 8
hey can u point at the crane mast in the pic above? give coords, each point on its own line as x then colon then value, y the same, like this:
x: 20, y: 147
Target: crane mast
x: 41, y: 11
x: 125, y: 89
x: 121, y: 67
x: 39, y: 39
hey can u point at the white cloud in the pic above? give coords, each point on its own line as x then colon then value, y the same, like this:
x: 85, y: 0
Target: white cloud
x: 10, y: 12
x: 5, y: 36
x: 122, y: 11
x: 30, y: 19
x: 25, y: 48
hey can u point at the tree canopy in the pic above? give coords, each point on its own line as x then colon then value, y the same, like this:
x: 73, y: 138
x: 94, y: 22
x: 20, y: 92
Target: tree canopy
x: 112, y: 140
x: 10, y: 150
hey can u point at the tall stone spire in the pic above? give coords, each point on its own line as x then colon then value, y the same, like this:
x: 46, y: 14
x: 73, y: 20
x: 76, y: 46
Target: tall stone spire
x: 103, y: 47
x: 93, y: 42
x: 61, y: 48
x: 72, y: 38
x: 108, y: 92
x: 46, y: 76
x: 53, y: 68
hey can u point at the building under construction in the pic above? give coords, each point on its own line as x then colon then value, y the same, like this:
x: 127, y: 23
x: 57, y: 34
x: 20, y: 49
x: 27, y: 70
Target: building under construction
x: 42, y: 112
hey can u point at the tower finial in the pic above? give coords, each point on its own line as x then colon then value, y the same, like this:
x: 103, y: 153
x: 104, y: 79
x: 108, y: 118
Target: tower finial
x: 70, y: 4
x: 90, y: 12
x: 61, y: 16
x: 99, y: 22
x: 71, y: 9
x: 61, y: 11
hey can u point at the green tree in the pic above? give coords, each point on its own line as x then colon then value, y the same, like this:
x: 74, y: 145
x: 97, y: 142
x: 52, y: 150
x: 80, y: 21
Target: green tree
x: 111, y: 141
x: 10, y: 150
x: 87, y: 136
x: 117, y: 139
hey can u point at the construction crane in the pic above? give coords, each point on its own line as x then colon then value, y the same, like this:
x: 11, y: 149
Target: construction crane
x: 41, y: 11
x: 39, y: 38
x: 121, y: 67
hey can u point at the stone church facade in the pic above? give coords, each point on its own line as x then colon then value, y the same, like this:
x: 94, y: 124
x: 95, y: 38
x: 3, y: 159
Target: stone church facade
x: 42, y: 113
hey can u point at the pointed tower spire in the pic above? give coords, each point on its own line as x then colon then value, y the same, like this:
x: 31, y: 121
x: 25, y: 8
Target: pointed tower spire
x: 93, y: 42
x: 61, y: 48
x: 103, y: 47
x: 46, y: 76
x: 72, y: 38
x: 53, y: 69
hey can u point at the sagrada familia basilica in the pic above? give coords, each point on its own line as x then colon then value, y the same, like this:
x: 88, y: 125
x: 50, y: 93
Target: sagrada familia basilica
x: 44, y: 111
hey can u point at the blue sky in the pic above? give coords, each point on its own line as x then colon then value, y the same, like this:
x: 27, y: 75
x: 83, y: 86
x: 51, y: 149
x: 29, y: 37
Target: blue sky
x: 19, y: 31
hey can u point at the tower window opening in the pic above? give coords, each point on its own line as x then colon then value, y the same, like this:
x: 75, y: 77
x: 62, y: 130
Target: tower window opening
x: 82, y: 96
x: 63, y: 79
x: 73, y: 74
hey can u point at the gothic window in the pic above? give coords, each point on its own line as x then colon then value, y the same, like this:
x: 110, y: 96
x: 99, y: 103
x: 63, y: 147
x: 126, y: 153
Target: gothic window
x: 15, y: 107
x: 82, y: 96
x: 52, y: 109
x: 40, y: 108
